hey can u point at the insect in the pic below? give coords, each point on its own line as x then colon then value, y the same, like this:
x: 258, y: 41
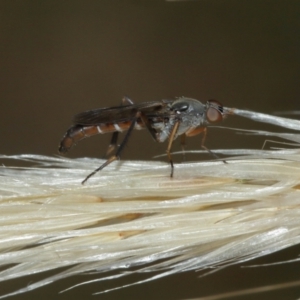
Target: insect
x: 164, y: 119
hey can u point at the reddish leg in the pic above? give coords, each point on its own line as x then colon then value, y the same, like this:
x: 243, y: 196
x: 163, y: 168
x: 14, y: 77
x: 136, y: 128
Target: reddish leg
x: 195, y: 131
x: 171, y: 139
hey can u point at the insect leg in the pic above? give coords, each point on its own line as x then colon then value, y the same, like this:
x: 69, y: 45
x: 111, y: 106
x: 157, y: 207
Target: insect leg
x: 152, y: 131
x: 204, y: 147
x: 114, y: 139
x: 182, y: 143
x: 208, y: 150
x: 171, y: 139
x: 113, y: 144
x: 198, y: 130
x: 117, y: 155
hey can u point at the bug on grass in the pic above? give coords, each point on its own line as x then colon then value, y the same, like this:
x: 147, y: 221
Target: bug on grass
x: 164, y: 119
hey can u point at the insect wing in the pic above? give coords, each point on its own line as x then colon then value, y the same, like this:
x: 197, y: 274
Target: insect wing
x: 117, y: 113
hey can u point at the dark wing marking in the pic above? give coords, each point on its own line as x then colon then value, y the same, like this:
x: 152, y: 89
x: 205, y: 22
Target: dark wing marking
x: 117, y: 113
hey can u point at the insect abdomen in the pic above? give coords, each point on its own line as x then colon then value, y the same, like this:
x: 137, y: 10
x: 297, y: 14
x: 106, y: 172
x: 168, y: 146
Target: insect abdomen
x: 78, y: 132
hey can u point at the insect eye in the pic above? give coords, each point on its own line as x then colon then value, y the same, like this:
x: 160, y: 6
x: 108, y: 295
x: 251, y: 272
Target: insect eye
x: 214, y: 111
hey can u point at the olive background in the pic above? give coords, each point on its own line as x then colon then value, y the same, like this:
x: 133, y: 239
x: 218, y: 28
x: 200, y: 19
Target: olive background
x: 58, y: 58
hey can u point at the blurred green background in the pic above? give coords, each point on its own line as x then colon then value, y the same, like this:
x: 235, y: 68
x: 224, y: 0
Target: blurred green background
x: 58, y: 58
